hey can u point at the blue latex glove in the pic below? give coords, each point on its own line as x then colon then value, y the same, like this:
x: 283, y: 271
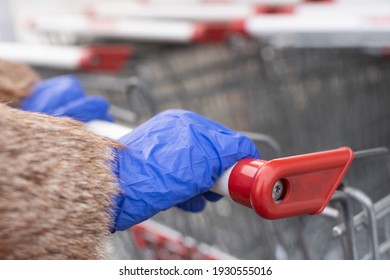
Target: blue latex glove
x: 64, y: 96
x: 173, y: 159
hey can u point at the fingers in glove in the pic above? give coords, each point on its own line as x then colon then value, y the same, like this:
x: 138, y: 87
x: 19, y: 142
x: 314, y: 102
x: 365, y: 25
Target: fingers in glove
x: 212, y: 196
x: 195, y: 204
x: 50, y: 94
x: 86, y: 109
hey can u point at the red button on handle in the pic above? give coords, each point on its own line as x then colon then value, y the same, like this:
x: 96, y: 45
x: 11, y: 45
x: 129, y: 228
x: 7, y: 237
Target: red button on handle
x: 289, y: 186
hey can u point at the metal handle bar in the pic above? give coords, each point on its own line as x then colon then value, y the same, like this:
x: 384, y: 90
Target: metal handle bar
x: 151, y: 30
x: 90, y: 58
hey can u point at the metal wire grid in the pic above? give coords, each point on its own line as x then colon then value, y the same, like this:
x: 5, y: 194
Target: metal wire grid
x: 307, y: 99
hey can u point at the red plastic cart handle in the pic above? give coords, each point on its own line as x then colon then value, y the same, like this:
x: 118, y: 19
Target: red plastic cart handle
x: 278, y: 188
x: 289, y: 186
x: 104, y: 58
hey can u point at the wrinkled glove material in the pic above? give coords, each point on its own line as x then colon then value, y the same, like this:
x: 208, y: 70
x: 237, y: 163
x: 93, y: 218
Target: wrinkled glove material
x: 173, y: 160
x: 64, y: 96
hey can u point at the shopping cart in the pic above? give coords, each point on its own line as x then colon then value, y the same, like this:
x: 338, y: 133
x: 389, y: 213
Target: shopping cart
x: 278, y: 189
x: 281, y: 23
x: 303, y: 99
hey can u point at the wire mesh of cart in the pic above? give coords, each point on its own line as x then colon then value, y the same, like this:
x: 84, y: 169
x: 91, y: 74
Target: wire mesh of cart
x: 307, y: 100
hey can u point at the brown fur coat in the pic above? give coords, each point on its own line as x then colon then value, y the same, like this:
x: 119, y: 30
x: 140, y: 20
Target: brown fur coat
x: 16, y: 81
x: 56, y: 188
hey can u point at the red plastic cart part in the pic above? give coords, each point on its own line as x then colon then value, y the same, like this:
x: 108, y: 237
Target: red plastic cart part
x: 104, y: 58
x: 274, y: 9
x: 289, y: 186
x: 167, y: 243
x: 218, y: 32
x: 210, y: 32
x: 319, y: 1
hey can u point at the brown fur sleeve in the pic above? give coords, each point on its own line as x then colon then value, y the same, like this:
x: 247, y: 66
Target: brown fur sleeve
x: 56, y: 188
x: 16, y: 81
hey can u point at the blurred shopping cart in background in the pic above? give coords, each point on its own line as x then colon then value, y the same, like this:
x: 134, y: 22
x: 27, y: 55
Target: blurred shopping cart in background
x: 306, y: 76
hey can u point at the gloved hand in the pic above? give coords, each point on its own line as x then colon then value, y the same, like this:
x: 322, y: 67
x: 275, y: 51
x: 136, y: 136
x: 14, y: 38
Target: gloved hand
x: 64, y: 96
x: 173, y: 159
